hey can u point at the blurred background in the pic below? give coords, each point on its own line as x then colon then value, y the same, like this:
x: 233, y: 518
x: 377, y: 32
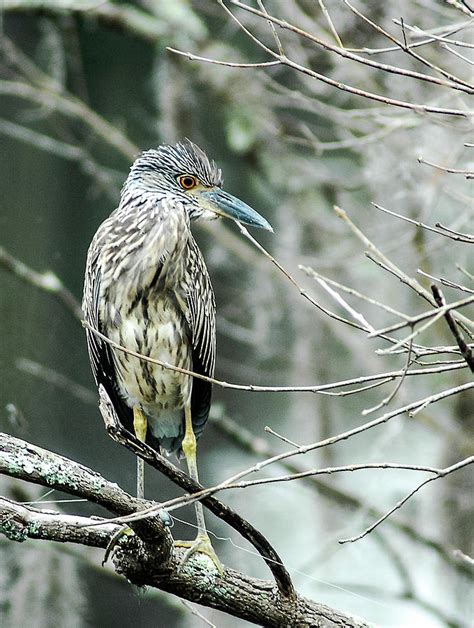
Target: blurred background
x: 84, y: 87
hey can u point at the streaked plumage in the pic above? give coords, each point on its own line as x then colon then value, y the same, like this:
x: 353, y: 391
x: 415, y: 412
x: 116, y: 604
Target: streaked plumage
x: 147, y: 288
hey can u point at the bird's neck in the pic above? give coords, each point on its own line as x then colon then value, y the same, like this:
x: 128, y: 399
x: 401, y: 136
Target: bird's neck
x: 151, y: 234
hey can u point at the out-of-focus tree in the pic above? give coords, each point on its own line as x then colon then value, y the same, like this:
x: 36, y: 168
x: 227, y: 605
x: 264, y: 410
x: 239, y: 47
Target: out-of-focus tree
x: 347, y: 124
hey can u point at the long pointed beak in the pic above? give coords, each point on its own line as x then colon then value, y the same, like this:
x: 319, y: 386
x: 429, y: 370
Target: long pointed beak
x: 229, y: 206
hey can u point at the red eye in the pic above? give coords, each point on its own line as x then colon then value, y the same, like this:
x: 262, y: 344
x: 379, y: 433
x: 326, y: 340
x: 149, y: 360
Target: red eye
x: 187, y: 181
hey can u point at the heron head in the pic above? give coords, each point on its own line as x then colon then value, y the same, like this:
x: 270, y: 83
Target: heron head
x: 184, y: 171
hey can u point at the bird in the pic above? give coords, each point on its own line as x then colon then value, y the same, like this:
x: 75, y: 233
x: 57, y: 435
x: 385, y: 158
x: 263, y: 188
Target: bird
x: 148, y: 289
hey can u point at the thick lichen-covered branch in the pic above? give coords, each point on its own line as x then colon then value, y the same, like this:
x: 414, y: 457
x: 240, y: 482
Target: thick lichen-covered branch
x: 146, y: 558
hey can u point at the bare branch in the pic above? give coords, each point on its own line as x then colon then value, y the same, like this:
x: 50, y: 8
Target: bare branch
x: 430, y: 314
x: 196, y: 613
x: 440, y: 474
x: 441, y: 38
x: 465, y: 350
x: 47, y: 281
x: 358, y: 430
x: 153, y: 458
x: 71, y: 106
x: 258, y: 446
x: 125, y: 17
x: 254, y: 387
x: 404, y: 47
x: 460, y: 237
x: 137, y: 558
x: 453, y: 83
x: 19, y: 522
x: 391, y: 396
x: 431, y: 37
x: 338, y: 84
x: 272, y: 26
x: 460, y: 268
x: 38, y: 280
x: 227, y: 64
x: 469, y: 174
x: 458, y: 233
x: 313, y: 273
x: 25, y: 461
x: 447, y: 282
x: 389, y: 265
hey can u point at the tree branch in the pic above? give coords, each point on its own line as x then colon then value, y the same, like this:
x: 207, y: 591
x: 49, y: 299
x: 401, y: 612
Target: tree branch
x: 153, y: 458
x: 122, y: 17
x: 259, y: 446
x: 140, y: 558
x: 463, y: 347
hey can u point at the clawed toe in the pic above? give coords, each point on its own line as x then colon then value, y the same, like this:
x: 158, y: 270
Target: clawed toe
x: 114, y: 542
x: 201, y: 545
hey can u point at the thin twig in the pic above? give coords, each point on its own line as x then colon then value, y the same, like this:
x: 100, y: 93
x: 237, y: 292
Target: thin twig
x: 389, y: 265
x: 337, y: 297
x: 440, y: 474
x: 441, y: 38
x: 260, y: 447
x: 464, y: 271
x: 446, y: 282
x: 228, y: 64
x: 449, y: 230
x: 46, y: 281
x: 205, y: 493
x: 389, y: 398
x: 256, y: 388
x: 342, y: 86
x: 453, y: 82
x: 272, y: 26
x: 415, y: 285
x: 453, y: 235
x: 413, y: 320
x: 280, y: 437
x: 407, y: 49
x: 330, y: 23
x: 457, y: 54
x: 469, y: 174
x: 177, y: 503
x: 196, y: 613
x: 417, y: 44
x: 315, y: 274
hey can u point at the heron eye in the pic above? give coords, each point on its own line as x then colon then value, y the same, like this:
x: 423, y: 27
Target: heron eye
x: 187, y: 181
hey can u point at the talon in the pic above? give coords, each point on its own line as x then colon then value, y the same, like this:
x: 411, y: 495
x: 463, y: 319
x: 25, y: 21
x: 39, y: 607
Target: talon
x: 200, y: 545
x: 114, y: 542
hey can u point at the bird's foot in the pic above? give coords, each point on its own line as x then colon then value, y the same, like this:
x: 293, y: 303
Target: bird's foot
x: 200, y: 545
x: 112, y: 544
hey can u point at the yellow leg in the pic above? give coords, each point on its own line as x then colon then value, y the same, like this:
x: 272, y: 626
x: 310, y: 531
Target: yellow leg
x: 202, y: 543
x: 140, y: 427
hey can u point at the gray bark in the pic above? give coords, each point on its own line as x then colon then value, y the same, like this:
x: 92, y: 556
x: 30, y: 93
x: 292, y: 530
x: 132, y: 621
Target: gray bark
x: 148, y: 557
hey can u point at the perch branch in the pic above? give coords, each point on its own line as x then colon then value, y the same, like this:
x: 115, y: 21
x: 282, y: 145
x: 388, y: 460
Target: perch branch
x: 135, y: 557
x: 220, y: 510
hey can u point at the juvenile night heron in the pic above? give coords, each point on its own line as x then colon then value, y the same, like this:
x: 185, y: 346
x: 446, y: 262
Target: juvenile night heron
x: 147, y: 288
